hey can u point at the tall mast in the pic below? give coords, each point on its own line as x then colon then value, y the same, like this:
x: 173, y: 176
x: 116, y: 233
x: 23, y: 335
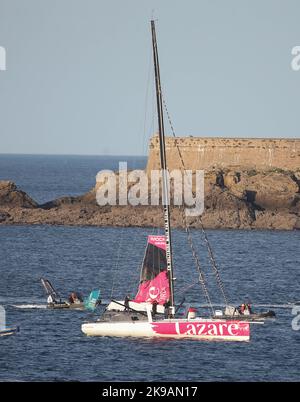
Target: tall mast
x: 163, y: 163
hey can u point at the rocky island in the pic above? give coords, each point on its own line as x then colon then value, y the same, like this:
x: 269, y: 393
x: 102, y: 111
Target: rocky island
x: 249, y: 184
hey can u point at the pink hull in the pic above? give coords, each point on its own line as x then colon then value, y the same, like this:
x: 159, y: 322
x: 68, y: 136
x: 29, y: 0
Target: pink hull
x: 203, y: 329
x: 194, y: 329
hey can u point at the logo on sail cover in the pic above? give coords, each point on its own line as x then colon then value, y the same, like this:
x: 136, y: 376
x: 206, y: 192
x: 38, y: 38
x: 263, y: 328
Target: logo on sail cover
x: 157, y: 294
x: 153, y: 292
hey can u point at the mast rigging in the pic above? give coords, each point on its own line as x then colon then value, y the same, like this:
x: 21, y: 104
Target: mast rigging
x: 163, y: 163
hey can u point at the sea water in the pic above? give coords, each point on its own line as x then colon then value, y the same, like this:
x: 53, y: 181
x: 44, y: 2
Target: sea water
x: 262, y: 267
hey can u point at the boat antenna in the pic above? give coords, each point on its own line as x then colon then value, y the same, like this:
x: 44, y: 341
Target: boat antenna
x: 163, y: 163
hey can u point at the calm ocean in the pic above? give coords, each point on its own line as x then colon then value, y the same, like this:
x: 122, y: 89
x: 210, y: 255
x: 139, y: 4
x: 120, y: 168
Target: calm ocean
x: 260, y: 266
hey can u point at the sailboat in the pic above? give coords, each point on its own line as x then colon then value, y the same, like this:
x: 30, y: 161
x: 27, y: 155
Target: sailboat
x: 153, y: 313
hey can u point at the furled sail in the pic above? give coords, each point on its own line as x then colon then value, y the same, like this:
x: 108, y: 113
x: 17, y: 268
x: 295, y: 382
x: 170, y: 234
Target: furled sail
x: 50, y: 291
x: 154, y: 283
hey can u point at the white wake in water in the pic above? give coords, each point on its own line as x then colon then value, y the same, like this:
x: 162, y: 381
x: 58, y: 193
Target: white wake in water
x: 24, y: 303
x: 29, y: 306
x: 286, y: 305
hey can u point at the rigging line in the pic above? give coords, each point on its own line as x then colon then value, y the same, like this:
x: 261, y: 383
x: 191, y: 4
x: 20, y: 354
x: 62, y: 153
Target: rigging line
x: 202, y: 280
x: 188, y: 287
x: 153, y: 110
x: 139, y: 269
x: 131, y: 283
x: 146, y: 99
x: 210, y: 253
x: 214, y: 263
x: 117, y: 263
x: 132, y: 289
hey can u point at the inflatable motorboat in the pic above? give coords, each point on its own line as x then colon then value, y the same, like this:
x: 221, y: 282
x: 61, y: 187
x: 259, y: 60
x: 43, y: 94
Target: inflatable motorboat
x: 54, y: 301
x: 75, y: 300
x: 244, y: 312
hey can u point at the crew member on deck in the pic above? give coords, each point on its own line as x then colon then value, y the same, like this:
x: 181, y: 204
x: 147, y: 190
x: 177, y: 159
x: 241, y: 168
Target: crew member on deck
x: 74, y: 298
x: 126, y: 302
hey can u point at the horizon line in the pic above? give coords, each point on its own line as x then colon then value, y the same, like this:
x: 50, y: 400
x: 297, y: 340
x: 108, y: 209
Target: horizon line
x: 62, y: 154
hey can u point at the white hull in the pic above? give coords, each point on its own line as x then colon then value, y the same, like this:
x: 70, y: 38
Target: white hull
x: 120, y: 306
x: 200, y: 329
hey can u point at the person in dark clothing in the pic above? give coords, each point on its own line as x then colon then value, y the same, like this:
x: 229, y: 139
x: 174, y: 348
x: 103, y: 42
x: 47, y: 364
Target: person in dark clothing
x: 166, y: 306
x: 75, y: 298
x: 126, y: 303
x: 154, y: 308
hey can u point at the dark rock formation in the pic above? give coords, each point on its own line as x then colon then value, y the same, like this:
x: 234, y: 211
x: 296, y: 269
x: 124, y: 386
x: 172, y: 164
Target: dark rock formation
x: 11, y: 196
x: 233, y: 199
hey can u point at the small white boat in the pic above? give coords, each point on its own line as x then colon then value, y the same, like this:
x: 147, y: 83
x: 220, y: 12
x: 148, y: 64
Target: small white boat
x: 247, y: 314
x: 9, y: 331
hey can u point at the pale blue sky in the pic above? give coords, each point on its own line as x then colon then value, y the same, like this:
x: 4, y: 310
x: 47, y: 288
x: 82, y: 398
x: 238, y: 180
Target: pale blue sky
x: 77, y: 72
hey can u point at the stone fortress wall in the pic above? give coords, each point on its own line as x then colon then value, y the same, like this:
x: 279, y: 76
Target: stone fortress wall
x: 210, y: 153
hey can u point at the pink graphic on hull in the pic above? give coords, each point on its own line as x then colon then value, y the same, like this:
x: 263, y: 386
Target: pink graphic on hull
x: 206, y: 329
